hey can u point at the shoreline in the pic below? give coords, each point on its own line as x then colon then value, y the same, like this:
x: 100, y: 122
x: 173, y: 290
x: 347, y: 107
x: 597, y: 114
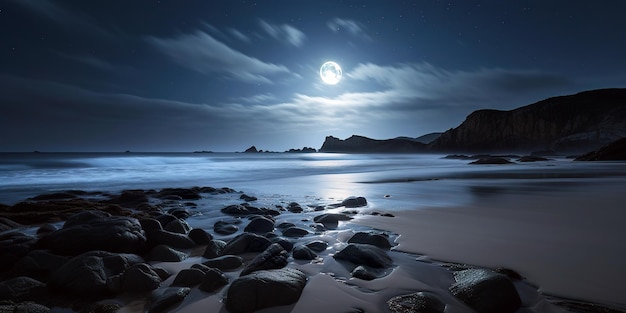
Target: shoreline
x: 410, y: 272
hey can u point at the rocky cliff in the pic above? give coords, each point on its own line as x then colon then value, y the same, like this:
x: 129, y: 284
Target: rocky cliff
x: 574, y: 123
x: 360, y: 144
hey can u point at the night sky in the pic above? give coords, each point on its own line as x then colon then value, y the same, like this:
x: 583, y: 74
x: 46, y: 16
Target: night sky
x: 163, y: 75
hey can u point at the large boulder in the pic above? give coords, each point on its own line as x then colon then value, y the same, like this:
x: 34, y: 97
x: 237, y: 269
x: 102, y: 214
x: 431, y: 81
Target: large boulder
x: 39, y: 264
x: 486, y: 291
x: 264, y: 289
x: 273, y: 257
x: 88, y: 274
x: 87, y: 231
x: 364, y: 254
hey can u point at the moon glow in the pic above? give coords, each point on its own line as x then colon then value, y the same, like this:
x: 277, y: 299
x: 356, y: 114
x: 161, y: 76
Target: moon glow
x: 330, y: 72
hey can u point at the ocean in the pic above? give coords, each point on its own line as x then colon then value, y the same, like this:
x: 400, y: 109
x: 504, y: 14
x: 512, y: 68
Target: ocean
x: 558, y: 222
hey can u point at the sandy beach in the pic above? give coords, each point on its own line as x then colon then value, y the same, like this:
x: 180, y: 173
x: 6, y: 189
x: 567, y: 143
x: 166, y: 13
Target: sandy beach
x: 557, y: 224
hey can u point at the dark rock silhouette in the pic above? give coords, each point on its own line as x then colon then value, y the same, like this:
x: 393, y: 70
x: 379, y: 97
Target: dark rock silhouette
x: 573, y: 123
x: 614, y: 151
x: 251, y: 150
x: 360, y: 144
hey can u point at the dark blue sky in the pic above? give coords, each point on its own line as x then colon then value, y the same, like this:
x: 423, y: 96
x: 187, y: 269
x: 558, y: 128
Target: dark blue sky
x: 224, y: 75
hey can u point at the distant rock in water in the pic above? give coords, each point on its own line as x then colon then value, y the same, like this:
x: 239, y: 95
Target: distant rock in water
x: 360, y: 144
x: 615, y: 151
x: 303, y: 150
x: 574, y: 123
x: 251, y: 150
x: 492, y: 160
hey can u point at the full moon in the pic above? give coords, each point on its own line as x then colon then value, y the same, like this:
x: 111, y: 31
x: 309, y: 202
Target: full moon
x: 330, y: 72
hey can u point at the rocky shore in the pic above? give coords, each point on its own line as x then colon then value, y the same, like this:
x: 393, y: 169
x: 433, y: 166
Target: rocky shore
x: 192, y: 249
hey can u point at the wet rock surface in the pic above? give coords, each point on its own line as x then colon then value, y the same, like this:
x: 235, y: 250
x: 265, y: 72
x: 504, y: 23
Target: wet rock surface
x: 486, y: 291
x: 264, y: 289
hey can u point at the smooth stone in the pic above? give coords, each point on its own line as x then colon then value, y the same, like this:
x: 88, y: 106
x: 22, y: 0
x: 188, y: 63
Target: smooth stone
x: 378, y: 240
x: 246, y: 242
x: 273, y: 257
x: 170, y: 239
x: 87, y: 275
x: 213, y: 280
x: 303, y: 253
x: 162, y: 300
x: 354, y: 202
x: 188, y: 278
x: 419, y: 302
x: 200, y: 236
x: 486, y: 291
x: 214, y: 248
x: 295, y: 232
x: 225, y: 228
x: 39, y: 264
x: 178, y: 226
x: 150, y: 224
x: 294, y: 207
x: 163, y: 253
x: 225, y: 262
x: 21, y: 289
x: 364, y: 254
x: 260, y: 225
x: 183, y: 193
x: 265, y: 289
x: 317, y: 245
x: 331, y: 220
x: 93, y: 230
x: 26, y: 307
x: 140, y: 278
x: 364, y: 273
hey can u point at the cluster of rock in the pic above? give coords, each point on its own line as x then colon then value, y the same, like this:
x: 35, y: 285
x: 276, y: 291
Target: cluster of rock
x: 496, y: 159
x: 105, y: 249
x: 108, y: 247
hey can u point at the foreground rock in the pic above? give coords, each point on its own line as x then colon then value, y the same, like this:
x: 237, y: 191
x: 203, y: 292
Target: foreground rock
x: 486, y: 291
x: 88, y: 274
x: 419, y: 302
x: 264, y: 289
x: 274, y: 257
x: 364, y: 254
x: 93, y: 230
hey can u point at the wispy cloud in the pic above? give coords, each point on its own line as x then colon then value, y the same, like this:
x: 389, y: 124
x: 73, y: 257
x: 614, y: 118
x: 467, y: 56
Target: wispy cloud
x: 284, y: 32
x: 259, y: 99
x: 239, y: 35
x: 95, y: 62
x: 201, y: 52
x: 351, y: 27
